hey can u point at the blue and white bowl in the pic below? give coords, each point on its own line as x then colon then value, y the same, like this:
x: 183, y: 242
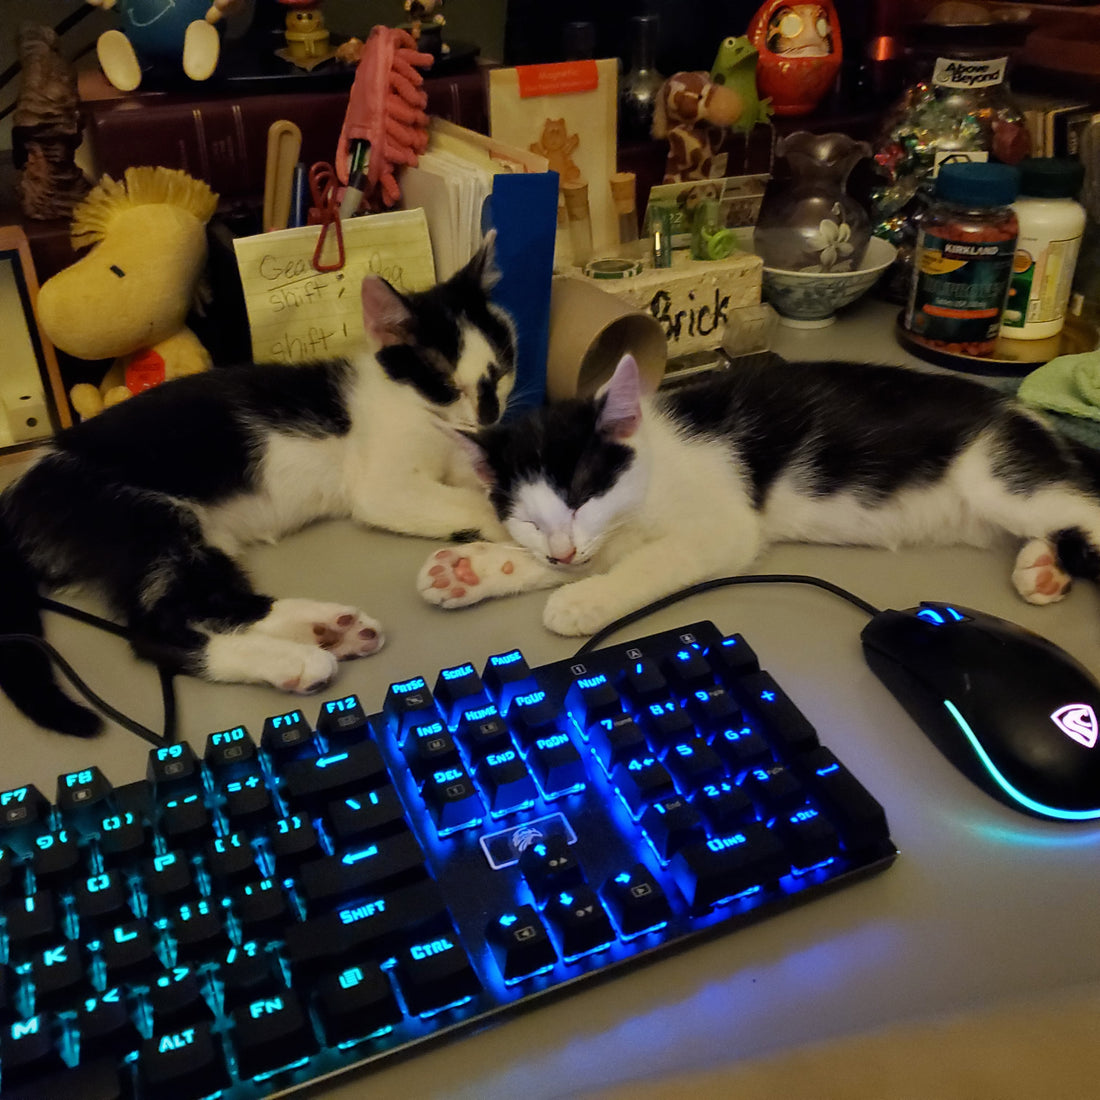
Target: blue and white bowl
x: 810, y: 299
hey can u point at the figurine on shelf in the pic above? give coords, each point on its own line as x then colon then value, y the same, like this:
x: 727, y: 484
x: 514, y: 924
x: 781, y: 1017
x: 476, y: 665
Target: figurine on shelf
x: 307, y: 37
x: 426, y: 25
x: 800, y: 53
x: 735, y: 67
x: 183, y: 33
x: 695, y: 113
x: 46, y: 128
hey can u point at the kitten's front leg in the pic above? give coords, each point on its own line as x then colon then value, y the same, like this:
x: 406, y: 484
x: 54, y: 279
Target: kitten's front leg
x: 428, y: 509
x: 479, y: 571
x: 647, y: 573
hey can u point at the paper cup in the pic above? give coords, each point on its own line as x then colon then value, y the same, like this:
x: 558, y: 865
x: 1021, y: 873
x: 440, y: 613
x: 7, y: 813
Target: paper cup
x: 590, y: 331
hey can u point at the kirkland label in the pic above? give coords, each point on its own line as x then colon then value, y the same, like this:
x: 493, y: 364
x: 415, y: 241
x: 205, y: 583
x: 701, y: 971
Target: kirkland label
x: 959, y: 288
x: 955, y: 73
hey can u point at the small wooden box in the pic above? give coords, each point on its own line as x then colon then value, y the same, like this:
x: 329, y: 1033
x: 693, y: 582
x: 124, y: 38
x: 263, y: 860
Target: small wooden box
x: 692, y: 299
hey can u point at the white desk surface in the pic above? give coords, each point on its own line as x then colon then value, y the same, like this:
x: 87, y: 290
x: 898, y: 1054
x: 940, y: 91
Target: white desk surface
x: 984, y: 907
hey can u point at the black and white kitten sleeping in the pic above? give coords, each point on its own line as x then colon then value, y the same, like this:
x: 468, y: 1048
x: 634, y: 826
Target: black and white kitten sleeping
x: 621, y: 499
x: 153, y: 499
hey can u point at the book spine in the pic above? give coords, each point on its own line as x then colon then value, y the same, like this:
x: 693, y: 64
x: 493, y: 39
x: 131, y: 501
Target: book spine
x: 224, y: 140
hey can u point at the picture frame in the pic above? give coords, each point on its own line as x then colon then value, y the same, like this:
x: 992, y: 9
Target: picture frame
x: 33, y: 405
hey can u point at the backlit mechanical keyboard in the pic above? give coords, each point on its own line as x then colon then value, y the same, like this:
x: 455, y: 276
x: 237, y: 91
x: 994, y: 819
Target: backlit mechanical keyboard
x: 315, y: 897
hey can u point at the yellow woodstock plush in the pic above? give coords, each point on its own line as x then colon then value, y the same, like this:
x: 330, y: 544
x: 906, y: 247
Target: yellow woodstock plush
x: 129, y: 296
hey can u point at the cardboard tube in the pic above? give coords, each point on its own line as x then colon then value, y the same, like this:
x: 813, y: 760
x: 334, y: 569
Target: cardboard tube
x: 590, y: 331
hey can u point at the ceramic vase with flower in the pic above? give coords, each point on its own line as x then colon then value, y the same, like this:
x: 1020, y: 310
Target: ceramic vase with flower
x: 812, y: 223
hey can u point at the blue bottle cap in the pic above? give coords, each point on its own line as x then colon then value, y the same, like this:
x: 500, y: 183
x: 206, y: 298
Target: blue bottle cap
x: 978, y: 183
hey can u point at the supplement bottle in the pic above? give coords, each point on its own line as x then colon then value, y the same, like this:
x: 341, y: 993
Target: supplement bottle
x: 1051, y: 224
x: 966, y: 241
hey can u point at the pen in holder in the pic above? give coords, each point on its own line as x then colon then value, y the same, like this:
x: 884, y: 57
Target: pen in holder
x: 659, y: 229
x: 580, y: 224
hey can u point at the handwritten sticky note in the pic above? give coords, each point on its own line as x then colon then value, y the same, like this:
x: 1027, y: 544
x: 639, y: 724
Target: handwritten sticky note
x: 296, y: 313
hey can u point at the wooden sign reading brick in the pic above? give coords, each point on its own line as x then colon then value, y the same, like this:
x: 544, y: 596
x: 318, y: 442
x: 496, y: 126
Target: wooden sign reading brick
x: 692, y: 299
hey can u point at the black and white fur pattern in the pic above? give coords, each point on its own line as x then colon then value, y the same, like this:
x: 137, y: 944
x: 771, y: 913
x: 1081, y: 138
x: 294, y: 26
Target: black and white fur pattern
x: 154, y: 499
x: 621, y: 499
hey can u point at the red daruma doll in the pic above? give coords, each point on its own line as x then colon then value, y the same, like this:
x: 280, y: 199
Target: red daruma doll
x: 800, y: 53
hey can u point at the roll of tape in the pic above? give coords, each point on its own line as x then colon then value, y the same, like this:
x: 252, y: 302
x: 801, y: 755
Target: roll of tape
x: 613, y: 267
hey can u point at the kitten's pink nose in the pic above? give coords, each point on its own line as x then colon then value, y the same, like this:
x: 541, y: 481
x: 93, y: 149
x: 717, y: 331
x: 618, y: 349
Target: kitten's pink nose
x: 566, y: 557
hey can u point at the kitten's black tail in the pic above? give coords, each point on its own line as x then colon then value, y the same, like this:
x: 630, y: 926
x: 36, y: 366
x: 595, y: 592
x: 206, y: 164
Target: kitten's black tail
x: 26, y: 675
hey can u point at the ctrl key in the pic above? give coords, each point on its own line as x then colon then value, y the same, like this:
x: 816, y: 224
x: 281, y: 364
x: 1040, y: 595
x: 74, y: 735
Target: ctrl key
x: 435, y: 974
x: 182, y: 1065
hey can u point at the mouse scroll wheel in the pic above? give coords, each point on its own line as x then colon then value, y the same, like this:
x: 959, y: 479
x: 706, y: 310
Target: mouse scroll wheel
x: 941, y: 614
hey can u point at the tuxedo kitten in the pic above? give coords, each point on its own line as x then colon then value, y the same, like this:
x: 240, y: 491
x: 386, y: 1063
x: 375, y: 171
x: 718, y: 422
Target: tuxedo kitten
x: 622, y: 499
x: 153, y: 499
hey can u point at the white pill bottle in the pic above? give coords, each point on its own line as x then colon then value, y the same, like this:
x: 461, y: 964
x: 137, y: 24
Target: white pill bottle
x: 1051, y: 224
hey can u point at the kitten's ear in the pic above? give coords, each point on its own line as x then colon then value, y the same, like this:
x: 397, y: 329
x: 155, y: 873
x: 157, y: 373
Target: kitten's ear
x: 482, y: 267
x: 387, y: 317
x: 621, y: 412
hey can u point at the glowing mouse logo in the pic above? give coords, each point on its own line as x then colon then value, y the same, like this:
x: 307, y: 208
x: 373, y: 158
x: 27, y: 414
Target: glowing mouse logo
x: 1077, y: 720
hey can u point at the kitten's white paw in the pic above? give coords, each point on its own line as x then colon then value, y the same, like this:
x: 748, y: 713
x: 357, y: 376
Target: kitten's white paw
x: 304, y: 673
x: 575, y: 610
x: 342, y: 630
x: 249, y: 657
x: 459, y: 578
x: 1037, y: 575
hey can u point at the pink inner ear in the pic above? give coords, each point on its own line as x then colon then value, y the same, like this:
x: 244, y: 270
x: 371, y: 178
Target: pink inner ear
x: 386, y: 316
x: 621, y: 414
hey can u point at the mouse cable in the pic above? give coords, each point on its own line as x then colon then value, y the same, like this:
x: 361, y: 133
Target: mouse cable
x: 167, y: 685
x: 722, y: 582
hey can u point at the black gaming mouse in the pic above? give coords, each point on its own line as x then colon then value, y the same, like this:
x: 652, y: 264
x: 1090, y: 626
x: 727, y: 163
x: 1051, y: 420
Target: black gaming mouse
x: 1013, y: 711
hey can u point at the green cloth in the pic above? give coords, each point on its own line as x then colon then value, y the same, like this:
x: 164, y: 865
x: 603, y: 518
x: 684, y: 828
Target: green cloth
x: 1069, y: 384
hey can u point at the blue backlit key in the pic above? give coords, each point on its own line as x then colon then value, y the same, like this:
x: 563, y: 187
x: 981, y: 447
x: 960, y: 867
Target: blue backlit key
x: 429, y: 748
x: 372, y: 813
x: 452, y: 799
x: 855, y: 812
x: 580, y: 921
x: 175, y: 998
x: 128, y: 950
x: 105, y: 1023
x: 671, y: 823
x: 286, y: 736
x: 173, y: 768
x: 55, y: 856
x: 58, y: 973
x: 724, y: 806
x: 435, y: 973
x: 617, y: 741
x: 741, y: 747
x: 228, y: 749
x: 557, y: 765
x: 533, y: 715
x: 550, y: 866
x: 342, y: 721
x: 29, y: 1051
x: 636, y: 901
x: 788, y: 728
x: 457, y: 690
x: 482, y: 731
x: 809, y: 836
x: 182, y: 1064
x: 732, y: 658
x: 505, y: 676
x: 23, y: 808
x: 101, y: 898
x: 641, y: 781
x: 271, y: 1031
x: 520, y: 944
x: 693, y: 764
x: 687, y: 669
x: 725, y: 867
x: 198, y: 929
x: 356, y: 767
x: 408, y: 703
x: 292, y: 840
x: 507, y: 784
x: 361, y: 867
x: 591, y: 699
x: 355, y: 1002
x: 644, y: 683
x: 83, y: 795
x: 664, y: 724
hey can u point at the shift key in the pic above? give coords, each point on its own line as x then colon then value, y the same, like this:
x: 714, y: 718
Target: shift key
x: 387, y: 861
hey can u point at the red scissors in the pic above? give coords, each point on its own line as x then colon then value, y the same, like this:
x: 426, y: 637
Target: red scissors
x: 323, y: 189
